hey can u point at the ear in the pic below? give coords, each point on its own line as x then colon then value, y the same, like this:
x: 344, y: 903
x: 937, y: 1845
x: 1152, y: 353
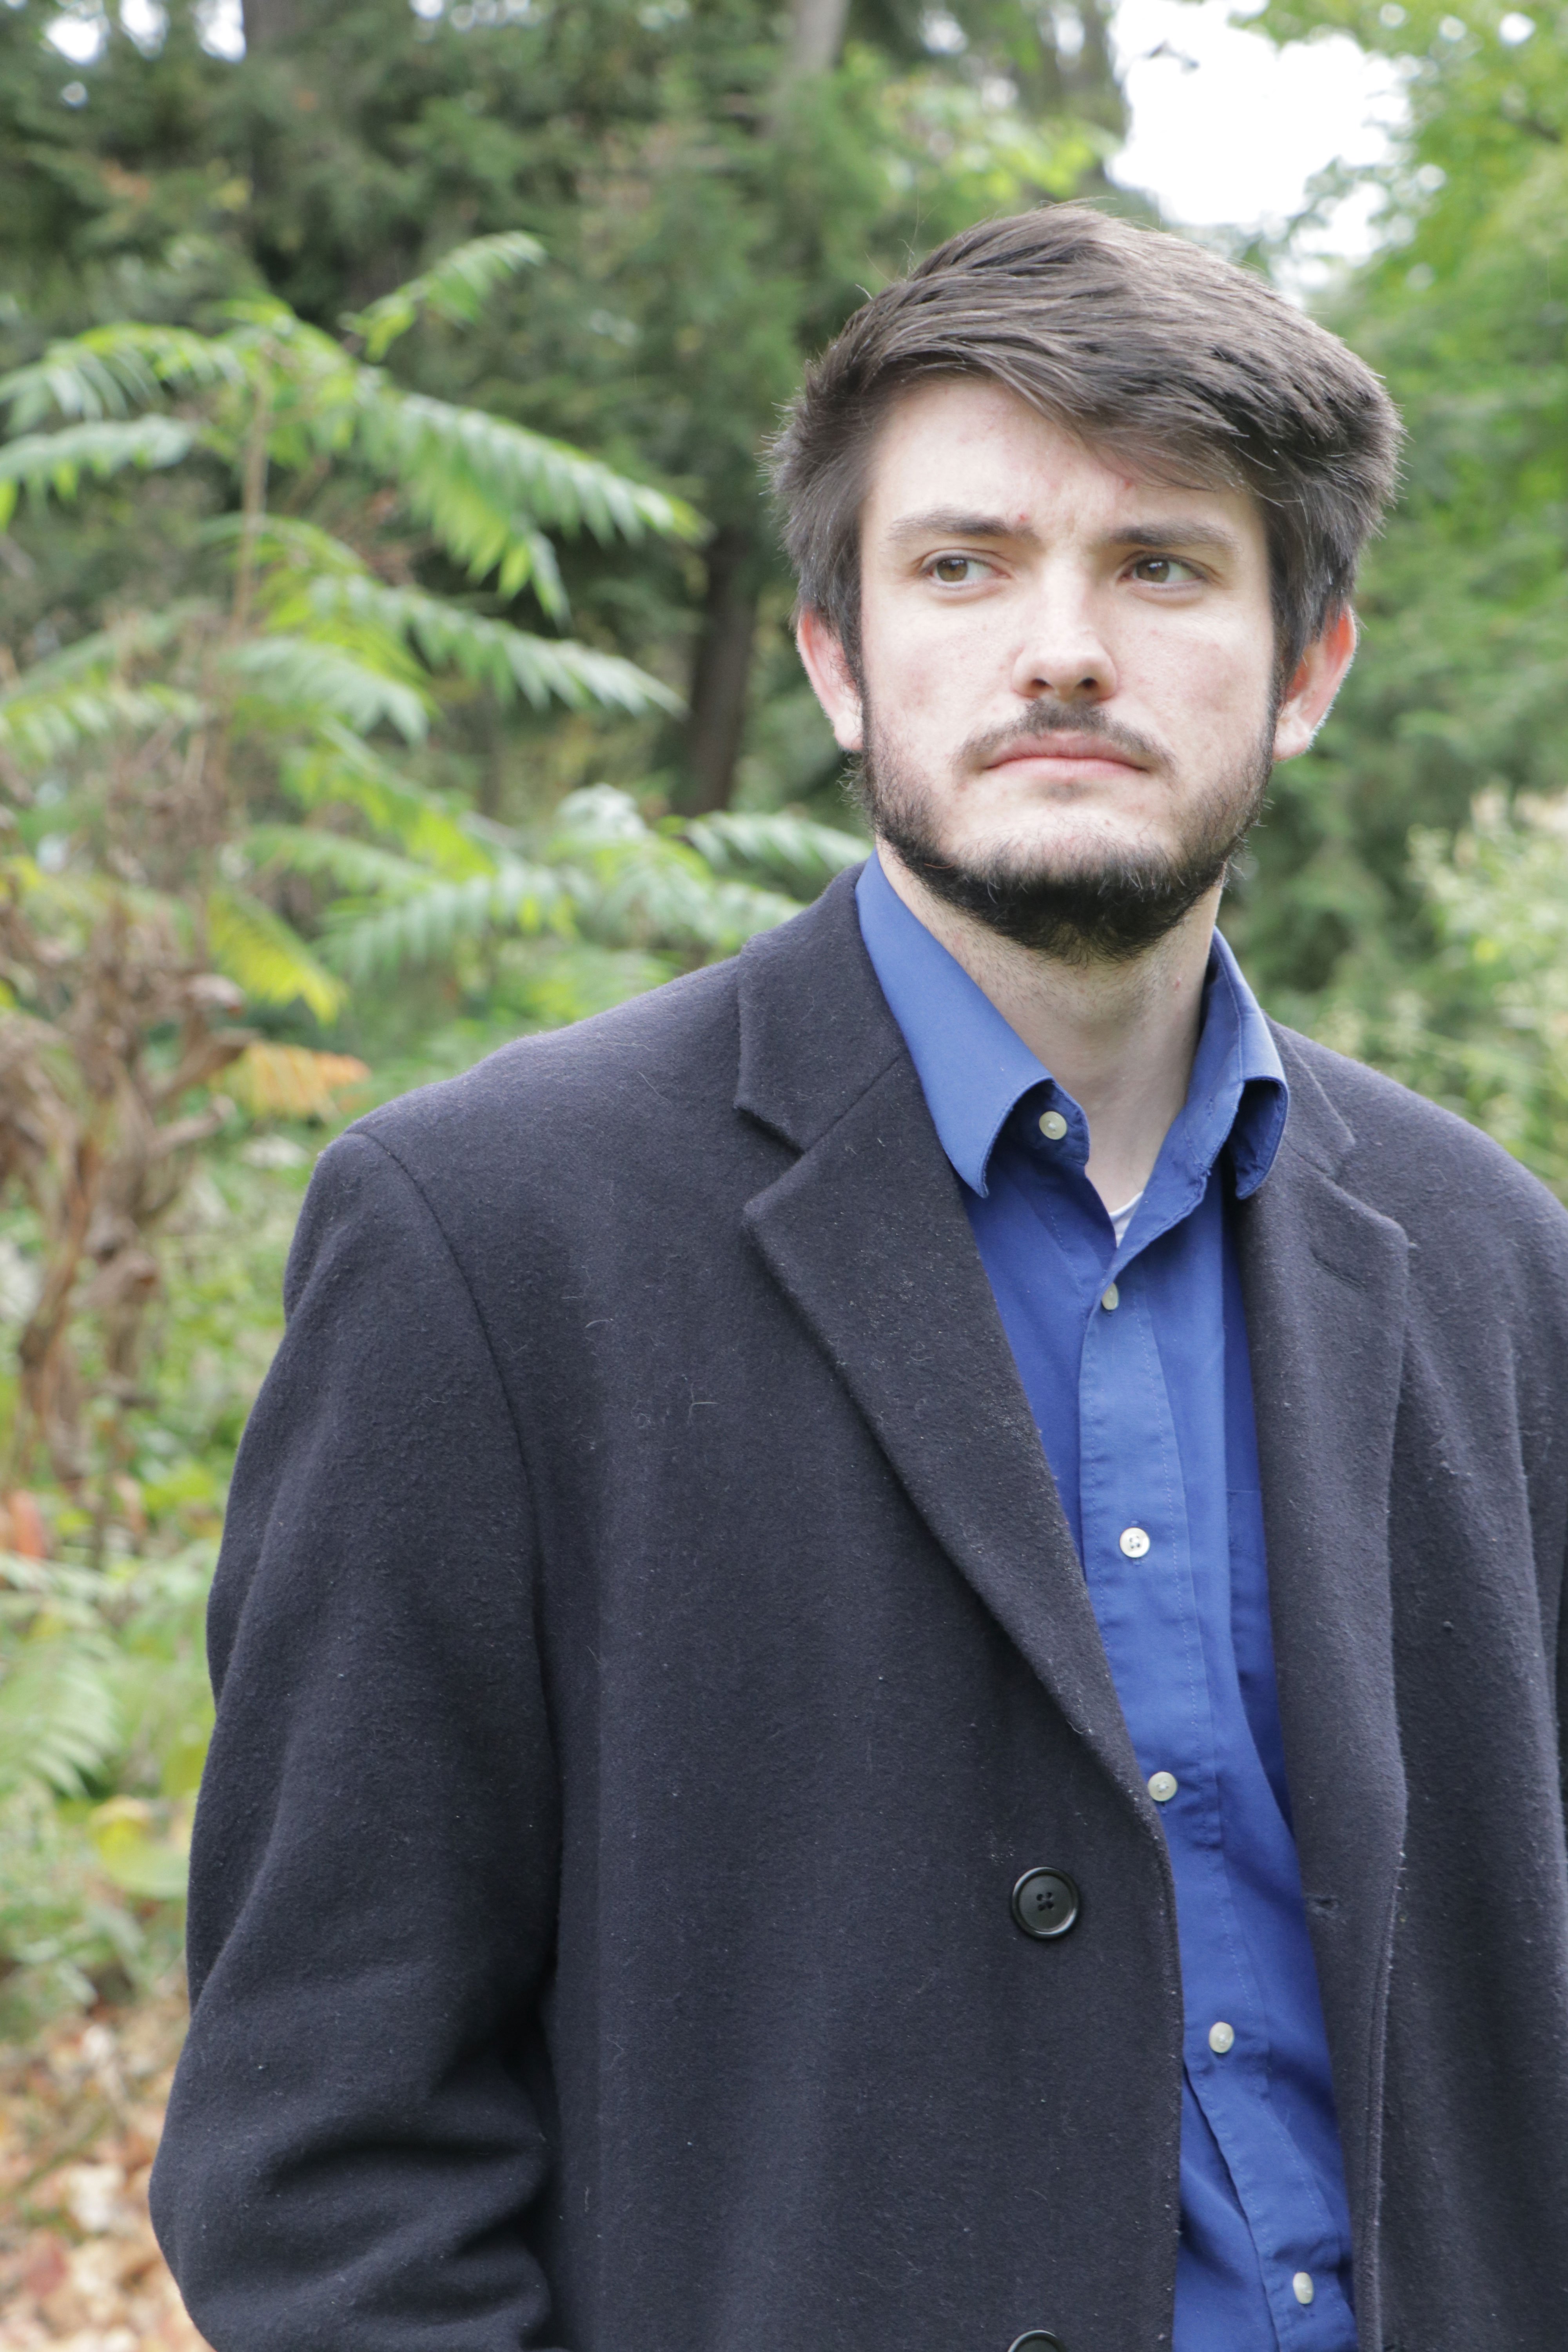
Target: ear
x: 1310, y: 695
x: 832, y: 679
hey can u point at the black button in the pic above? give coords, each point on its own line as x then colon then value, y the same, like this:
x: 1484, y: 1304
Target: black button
x: 1044, y: 1904
x: 1037, y: 2340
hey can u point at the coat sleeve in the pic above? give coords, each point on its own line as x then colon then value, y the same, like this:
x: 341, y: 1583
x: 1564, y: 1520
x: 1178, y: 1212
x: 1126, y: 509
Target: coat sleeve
x: 352, y: 2156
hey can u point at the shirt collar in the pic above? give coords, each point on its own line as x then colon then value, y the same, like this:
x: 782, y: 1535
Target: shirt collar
x: 974, y: 1068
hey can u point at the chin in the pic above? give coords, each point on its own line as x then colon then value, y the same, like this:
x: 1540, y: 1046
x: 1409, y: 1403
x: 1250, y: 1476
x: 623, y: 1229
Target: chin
x: 1060, y: 853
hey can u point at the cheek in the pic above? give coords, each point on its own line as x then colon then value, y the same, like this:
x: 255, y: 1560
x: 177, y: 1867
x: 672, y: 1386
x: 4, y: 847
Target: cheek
x: 926, y: 669
x: 1211, y: 689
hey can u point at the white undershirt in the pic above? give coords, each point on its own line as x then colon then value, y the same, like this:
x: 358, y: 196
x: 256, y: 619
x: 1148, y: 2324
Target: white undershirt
x: 1121, y: 1218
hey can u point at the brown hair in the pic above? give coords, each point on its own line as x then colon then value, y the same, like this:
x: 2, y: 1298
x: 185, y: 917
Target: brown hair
x: 1142, y: 344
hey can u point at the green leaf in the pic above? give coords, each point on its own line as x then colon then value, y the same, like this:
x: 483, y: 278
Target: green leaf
x: 133, y: 1856
x: 113, y: 370
x: 266, y: 957
x: 339, y: 770
x: 360, y: 867
x: 42, y: 462
x: 790, y: 850
x: 39, y: 727
x: 300, y: 677
x: 492, y: 652
x: 58, y: 1723
x: 424, y: 927
x: 485, y: 485
x: 454, y: 289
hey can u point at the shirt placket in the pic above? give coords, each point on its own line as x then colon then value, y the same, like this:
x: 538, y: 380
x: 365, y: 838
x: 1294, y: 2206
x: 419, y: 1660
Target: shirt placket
x: 1138, y: 1562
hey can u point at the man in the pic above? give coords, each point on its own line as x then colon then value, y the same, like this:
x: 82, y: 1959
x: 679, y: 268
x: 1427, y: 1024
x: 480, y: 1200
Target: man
x: 888, y: 1646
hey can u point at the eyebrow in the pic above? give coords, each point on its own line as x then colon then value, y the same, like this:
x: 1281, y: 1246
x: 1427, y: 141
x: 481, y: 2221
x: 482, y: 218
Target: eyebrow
x: 956, y: 522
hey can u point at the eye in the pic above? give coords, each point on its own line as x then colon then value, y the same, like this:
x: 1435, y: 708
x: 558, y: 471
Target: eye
x: 955, y: 571
x: 1163, y: 571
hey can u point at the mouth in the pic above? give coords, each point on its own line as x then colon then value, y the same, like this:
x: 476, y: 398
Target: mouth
x: 1085, y: 755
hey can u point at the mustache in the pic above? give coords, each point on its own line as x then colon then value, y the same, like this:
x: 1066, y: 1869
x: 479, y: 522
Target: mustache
x: 1044, y: 718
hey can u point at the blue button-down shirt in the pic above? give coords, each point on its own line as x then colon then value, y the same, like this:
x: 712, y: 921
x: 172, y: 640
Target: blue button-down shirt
x: 1133, y: 1358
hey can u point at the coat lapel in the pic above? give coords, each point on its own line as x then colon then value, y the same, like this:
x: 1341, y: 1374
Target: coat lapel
x: 865, y: 1235
x: 1324, y: 1278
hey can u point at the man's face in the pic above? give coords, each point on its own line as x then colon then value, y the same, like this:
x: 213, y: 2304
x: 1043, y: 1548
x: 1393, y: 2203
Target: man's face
x: 1067, y: 701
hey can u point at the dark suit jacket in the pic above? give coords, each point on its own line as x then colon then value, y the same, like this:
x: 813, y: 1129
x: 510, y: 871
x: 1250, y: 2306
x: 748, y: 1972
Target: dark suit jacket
x: 649, y: 1649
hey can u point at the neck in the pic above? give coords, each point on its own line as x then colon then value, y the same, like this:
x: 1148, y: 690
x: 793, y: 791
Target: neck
x: 1119, y: 1036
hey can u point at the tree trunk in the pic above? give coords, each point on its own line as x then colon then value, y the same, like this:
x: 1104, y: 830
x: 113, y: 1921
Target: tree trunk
x: 815, y: 35
x: 722, y: 666
x: 722, y: 669
x: 269, y: 22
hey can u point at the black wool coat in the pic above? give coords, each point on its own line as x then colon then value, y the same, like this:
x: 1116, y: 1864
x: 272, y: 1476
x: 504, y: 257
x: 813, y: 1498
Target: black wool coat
x: 649, y: 1648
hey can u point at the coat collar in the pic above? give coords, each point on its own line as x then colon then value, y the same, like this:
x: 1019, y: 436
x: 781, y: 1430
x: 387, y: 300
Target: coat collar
x: 865, y: 1233
x: 1325, y: 1280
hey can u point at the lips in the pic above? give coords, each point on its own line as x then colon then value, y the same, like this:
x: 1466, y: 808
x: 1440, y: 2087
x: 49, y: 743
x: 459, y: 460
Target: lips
x: 1073, y: 750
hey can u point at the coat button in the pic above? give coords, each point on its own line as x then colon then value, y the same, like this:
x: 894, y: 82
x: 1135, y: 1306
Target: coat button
x: 1044, y: 1904
x: 1038, y: 2339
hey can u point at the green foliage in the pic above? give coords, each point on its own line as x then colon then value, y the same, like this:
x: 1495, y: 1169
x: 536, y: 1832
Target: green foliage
x: 104, y: 1717
x: 1461, y: 686
x: 1482, y: 1026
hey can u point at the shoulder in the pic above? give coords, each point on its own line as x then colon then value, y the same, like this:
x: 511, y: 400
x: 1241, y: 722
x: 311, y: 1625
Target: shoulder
x: 1431, y: 1171
x: 555, y: 1098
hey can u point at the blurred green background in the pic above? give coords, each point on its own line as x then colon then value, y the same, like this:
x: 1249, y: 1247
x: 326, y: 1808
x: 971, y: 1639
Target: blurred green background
x: 395, y: 657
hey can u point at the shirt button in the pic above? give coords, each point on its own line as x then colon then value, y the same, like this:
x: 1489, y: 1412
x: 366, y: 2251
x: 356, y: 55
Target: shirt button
x: 1110, y: 1299
x: 1133, y: 1542
x: 1162, y: 1787
x: 1053, y: 1125
x: 1222, y: 2037
x: 1302, y: 2283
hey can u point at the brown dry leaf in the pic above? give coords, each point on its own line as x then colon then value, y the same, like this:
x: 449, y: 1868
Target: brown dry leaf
x: 291, y: 1081
x: 80, y: 2110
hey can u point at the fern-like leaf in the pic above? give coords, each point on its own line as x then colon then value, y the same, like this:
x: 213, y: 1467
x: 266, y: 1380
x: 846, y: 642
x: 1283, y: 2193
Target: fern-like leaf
x: 424, y: 928
x: 40, y: 463
x: 360, y: 868
x: 266, y: 957
x: 455, y: 290
x: 273, y: 1081
x: 486, y: 486
x: 339, y: 770
x: 114, y: 370
x: 790, y: 851
x: 491, y: 652
x: 58, y: 1723
x: 39, y: 727
x: 301, y: 677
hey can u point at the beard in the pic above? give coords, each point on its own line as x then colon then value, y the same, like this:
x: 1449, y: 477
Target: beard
x: 1077, y: 909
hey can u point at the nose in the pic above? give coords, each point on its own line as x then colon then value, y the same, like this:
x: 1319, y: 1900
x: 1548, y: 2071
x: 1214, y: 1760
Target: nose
x: 1063, y: 652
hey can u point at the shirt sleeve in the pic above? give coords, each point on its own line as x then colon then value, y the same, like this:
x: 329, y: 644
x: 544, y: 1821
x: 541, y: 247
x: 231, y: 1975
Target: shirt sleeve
x: 351, y: 2159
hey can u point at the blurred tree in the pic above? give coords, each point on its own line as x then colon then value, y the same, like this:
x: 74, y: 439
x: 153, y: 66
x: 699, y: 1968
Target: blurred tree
x: 1462, y: 684
x: 728, y: 176
x: 134, y: 914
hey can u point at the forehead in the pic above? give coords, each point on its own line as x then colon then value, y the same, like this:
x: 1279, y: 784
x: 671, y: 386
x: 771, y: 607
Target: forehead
x: 966, y: 443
